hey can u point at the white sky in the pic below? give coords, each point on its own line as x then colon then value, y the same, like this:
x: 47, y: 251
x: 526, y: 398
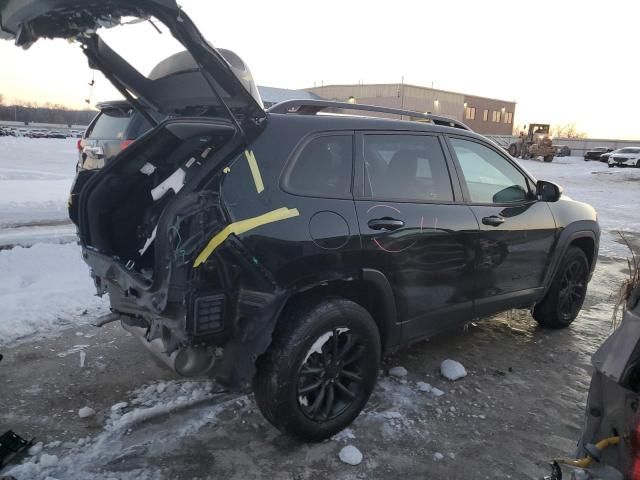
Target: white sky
x: 563, y: 61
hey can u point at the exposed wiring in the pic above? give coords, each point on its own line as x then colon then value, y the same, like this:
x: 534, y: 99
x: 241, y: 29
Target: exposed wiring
x: 178, y: 254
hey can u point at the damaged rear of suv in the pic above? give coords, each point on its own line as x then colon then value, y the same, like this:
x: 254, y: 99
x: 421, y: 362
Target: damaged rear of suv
x: 286, y: 250
x: 143, y: 219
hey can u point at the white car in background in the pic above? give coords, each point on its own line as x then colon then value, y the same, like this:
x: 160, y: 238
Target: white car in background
x: 625, y: 157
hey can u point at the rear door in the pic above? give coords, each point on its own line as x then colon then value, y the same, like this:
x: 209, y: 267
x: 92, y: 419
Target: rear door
x: 414, y: 230
x: 517, y: 232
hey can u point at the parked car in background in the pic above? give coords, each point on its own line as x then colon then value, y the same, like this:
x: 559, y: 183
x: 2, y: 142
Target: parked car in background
x: 562, y: 150
x: 56, y: 134
x: 114, y: 128
x: 36, y: 133
x: 604, y: 158
x: 595, y: 153
x: 625, y: 157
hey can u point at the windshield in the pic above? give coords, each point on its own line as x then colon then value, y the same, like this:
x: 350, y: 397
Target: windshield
x: 629, y: 150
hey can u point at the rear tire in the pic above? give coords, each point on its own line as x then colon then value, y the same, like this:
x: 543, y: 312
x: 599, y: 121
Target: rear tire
x: 610, y: 165
x: 320, y: 370
x: 548, y: 158
x: 566, y: 294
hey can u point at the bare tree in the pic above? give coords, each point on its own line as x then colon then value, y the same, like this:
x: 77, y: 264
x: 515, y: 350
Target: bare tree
x: 568, y: 130
x: 1, y: 98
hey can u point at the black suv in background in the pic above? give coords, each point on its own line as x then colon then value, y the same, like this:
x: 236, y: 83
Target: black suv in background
x: 288, y: 250
x: 596, y: 153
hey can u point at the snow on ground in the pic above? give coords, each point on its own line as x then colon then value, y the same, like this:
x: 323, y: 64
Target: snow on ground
x: 613, y: 192
x: 130, y: 429
x: 35, y: 179
x: 44, y: 288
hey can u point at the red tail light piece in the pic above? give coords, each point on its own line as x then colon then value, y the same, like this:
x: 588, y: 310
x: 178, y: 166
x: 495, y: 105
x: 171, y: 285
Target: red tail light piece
x: 79, y: 144
x: 635, y: 453
x: 125, y: 143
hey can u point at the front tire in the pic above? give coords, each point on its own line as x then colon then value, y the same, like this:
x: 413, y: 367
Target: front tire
x: 320, y: 370
x: 566, y: 294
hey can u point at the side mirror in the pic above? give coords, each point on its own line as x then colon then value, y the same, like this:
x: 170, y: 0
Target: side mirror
x: 547, y: 191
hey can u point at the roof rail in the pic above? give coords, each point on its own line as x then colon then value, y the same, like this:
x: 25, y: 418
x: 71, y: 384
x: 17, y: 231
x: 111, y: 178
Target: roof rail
x: 311, y: 107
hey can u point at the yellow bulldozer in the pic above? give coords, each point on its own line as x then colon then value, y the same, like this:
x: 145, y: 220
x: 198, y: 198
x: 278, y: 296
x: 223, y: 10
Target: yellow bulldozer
x: 536, y: 143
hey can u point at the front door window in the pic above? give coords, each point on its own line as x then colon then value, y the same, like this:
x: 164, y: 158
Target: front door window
x: 489, y: 177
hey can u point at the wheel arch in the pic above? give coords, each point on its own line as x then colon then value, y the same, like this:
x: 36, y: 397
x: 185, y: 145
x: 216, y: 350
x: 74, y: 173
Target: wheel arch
x: 586, y: 240
x: 371, y: 290
x: 587, y: 244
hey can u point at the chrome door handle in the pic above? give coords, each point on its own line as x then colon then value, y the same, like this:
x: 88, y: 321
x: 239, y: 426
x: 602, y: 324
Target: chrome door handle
x: 385, y: 223
x: 493, y: 220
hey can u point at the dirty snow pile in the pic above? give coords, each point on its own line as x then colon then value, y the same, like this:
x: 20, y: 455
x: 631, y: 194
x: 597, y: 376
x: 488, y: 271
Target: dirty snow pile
x: 350, y: 455
x: 452, y: 370
x: 44, y: 288
x: 131, y: 426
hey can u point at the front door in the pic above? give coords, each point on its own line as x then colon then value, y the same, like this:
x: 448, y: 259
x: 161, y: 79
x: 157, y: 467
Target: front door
x: 517, y: 232
x: 414, y: 231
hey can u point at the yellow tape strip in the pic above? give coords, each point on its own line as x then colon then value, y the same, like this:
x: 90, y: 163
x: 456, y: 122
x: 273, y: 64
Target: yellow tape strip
x: 255, y: 171
x: 243, y: 226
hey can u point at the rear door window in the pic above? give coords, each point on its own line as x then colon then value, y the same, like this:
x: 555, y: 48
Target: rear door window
x: 406, y: 168
x: 323, y: 168
x: 110, y: 124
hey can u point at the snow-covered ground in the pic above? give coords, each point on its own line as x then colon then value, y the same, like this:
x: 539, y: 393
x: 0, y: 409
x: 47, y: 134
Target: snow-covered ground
x: 35, y: 179
x: 47, y: 287
x: 514, y: 409
x: 43, y: 289
x: 613, y: 192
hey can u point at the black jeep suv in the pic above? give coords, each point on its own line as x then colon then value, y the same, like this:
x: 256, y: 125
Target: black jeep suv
x: 290, y: 249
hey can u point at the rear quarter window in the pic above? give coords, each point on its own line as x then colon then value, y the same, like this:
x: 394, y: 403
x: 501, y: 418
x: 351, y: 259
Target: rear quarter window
x: 110, y: 125
x: 323, y: 168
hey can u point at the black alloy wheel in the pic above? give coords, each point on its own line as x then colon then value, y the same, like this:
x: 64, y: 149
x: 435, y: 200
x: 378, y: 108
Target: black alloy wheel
x: 330, y: 380
x: 573, y: 289
x: 567, y: 291
x: 321, y: 368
